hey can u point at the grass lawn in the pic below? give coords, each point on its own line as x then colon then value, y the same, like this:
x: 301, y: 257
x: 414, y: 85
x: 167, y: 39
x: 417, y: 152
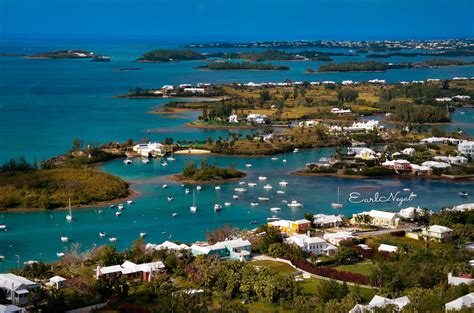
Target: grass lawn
x: 310, y: 288
x: 280, y: 267
x: 363, y: 268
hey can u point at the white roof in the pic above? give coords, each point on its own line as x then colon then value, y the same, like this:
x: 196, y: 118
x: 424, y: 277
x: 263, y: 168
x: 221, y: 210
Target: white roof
x: 323, y: 218
x: 236, y: 243
x: 57, y: 279
x: 387, y: 248
x: 379, y: 214
x: 380, y: 302
x: 166, y: 245
x: 439, y: 229
x: 8, y: 280
x: 10, y: 308
x: 129, y: 267
x: 464, y: 301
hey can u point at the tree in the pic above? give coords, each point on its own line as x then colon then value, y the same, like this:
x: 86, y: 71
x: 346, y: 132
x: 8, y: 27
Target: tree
x: 309, y: 217
x: 363, y: 219
x: 331, y: 289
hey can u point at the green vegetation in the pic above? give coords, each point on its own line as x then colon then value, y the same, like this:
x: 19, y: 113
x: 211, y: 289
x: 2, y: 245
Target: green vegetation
x: 170, y: 56
x: 208, y: 172
x: 63, y: 54
x: 231, y: 66
x: 279, y: 267
x: 277, y: 55
x: 407, y: 113
x: 368, y: 66
x: 364, y: 268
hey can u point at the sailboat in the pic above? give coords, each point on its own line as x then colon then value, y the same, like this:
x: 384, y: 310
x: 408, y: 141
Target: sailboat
x: 337, y: 205
x: 69, y: 216
x: 171, y: 158
x: 193, y: 208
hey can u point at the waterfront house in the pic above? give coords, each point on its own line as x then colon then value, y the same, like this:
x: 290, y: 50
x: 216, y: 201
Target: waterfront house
x: 363, y: 126
x: 131, y: 270
x: 308, y: 124
x: 340, y: 111
x: 291, y: 227
x: 377, y: 81
x: 237, y: 249
x: 463, y: 279
x: 387, y: 248
x: 167, y: 87
x: 347, y: 82
x: 453, y: 160
x: 463, y: 302
x: 410, y: 212
x: 421, y: 170
x: 313, y: 245
x: 401, y: 165
x: 336, y: 238
x: 379, y: 302
x: 18, y: 290
x: 11, y: 309
x: 435, y: 165
x: 379, y: 218
x: 150, y: 149
x: 462, y: 98
x: 194, y: 90
x: 256, y: 118
x: 440, y: 140
x: 323, y: 220
x: 167, y: 245
x: 185, y: 86
x: 233, y: 118
x: 438, y: 233
x: 57, y: 282
x: 366, y: 154
x: 444, y: 99
x: 466, y: 147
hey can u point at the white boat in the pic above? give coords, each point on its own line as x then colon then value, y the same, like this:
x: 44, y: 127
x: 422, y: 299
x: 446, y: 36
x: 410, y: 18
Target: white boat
x: 463, y: 194
x: 406, y: 189
x: 240, y: 189
x: 323, y: 159
x: 198, y: 187
x: 254, y: 203
x: 118, y: 213
x: 296, y: 150
x: 217, y: 188
x: 248, y: 165
x: 174, y: 214
x: 102, y: 234
x: 337, y: 205
x: 252, y: 184
x: 164, y: 164
x: 165, y: 186
x: 127, y: 161
x: 193, y: 208
x: 145, y: 161
x: 235, y: 197
x: 142, y: 235
x: 272, y: 219
x: 263, y: 198
x: 129, y: 201
x: 284, y: 160
x: 2, y: 258
x: 64, y: 239
x: 120, y: 206
x: 186, y: 191
x: 294, y: 204
x: 111, y: 206
x: 171, y: 158
x: 170, y: 198
x: 283, y: 183
x: 274, y: 158
x: 113, y: 239
x: 69, y: 216
x: 241, y: 183
x: 3, y: 227
x: 217, y: 207
x: 275, y: 209
x: 262, y: 178
x: 280, y: 192
x: 267, y: 187
x: 227, y: 204
x: 30, y: 262
x: 60, y: 254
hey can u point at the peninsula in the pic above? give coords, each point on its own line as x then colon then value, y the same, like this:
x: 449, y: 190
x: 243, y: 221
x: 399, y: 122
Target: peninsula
x: 163, y: 56
x: 63, y: 54
x: 206, y: 173
x: 232, y: 66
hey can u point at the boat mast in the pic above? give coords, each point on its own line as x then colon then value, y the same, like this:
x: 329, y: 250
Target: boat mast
x: 70, y: 213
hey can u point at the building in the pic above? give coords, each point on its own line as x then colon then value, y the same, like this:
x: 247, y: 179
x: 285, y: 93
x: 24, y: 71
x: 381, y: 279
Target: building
x: 313, y: 245
x: 410, y: 212
x: 387, y: 248
x: 453, y: 160
x: 129, y: 269
x: 323, y: 220
x: 57, y: 282
x: 440, y: 140
x: 421, y: 170
x: 18, y: 289
x: 336, y: 238
x: 237, y: 249
x: 435, y: 165
x: 167, y: 245
x: 408, y: 151
x: 233, y: 118
x: 363, y: 126
x: 366, y: 154
x: 291, y: 227
x: 194, y: 90
x: 308, y: 124
x: 11, y: 309
x: 256, y: 118
x: 456, y: 281
x: 150, y: 149
x: 466, y: 301
x: 379, y: 218
x: 438, y: 233
x: 466, y: 147
x: 340, y: 111
x: 380, y: 302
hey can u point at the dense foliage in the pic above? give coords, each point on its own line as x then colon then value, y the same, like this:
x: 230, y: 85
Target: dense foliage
x: 170, y: 56
x: 208, y: 172
x: 420, y: 114
x: 218, y: 66
x: 369, y: 66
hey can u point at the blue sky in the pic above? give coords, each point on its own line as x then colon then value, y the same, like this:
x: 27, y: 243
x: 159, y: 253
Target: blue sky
x: 188, y: 20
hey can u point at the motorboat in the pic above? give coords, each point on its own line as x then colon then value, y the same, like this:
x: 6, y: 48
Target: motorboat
x: 102, y: 234
x: 274, y: 158
x: 142, y: 235
x: 263, y: 198
x: 463, y: 194
x: 186, y: 191
x: 227, y: 204
x: 145, y: 161
x: 217, y: 188
x: 254, y: 203
x: 294, y: 204
x: 60, y: 254
x: 165, y: 186
x: 272, y: 219
x: 164, y: 164
x: 170, y: 198
x: 120, y: 206
x: 112, y: 206
x: 236, y: 197
x: 174, y: 214
x: 129, y: 202
x: 113, y: 239
x: 275, y: 209
x: 2, y: 258
x: 267, y: 187
x: 262, y: 178
x: 118, y: 213
x: 283, y: 183
x: 284, y: 160
x: 30, y: 262
x: 248, y: 165
x: 406, y: 189
x: 193, y: 208
x: 240, y: 189
x: 64, y: 239
x: 217, y: 207
x: 253, y: 222
x: 280, y: 192
x: 198, y: 188
x: 69, y: 216
x: 241, y: 183
x: 3, y: 227
x: 127, y: 161
x: 296, y: 150
x: 252, y: 184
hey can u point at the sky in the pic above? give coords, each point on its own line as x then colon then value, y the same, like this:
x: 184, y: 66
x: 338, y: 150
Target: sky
x: 240, y: 20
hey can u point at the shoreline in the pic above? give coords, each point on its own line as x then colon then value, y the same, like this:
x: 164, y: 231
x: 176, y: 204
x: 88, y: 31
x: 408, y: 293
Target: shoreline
x: 180, y: 179
x: 443, y: 177
x: 193, y: 125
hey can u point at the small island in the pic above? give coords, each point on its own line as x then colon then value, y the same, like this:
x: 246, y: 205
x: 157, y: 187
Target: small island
x: 232, y: 66
x: 164, y: 56
x: 63, y: 54
x: 206, y: 173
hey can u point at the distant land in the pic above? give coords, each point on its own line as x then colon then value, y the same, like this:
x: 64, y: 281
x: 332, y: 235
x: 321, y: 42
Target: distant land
x: 63, y: 54
x: 232, y: 66
x: 170, y: 56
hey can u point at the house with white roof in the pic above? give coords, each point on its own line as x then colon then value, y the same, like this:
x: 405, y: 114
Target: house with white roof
x: 462, y: 98
x: 438, y: 233
x: 379, y: 218
x: 336, y: 238
x: 169, y: 245
x: 18, y: 289
x: 463, y: 302
x: 456, y: 281
x: 410, y: 212
x: 387, y: 248
x: 453, y: 160
x: 347, y: 82
x: 150, y: 149
x: 167, y: 87
x: 291, y: 227
x: 129, y: 269
x: 466, y: 148
x: 313, y: 245
x: 11, y: 309
x: 440, y: 140
x: 340, y: 111
x: 363, y: 126
x: 435, y: 165
x: 57, y: 282
x: 323, y: 220
x: 237, y: 249
x: 233, y: 118
x: 256, y: 118
x: 194, y: 90
x: 366, y: 154
x: 408, y: 151
x: 380, y: 302
x: 421, y: 170
x: 308, y: 124
x: 443, y: 99
x: 463, y: 207
x: 377, y: 81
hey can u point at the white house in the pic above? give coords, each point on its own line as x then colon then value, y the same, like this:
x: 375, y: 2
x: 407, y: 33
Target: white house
x: 313, y: 245
x: 237, y: 249
x: 379, y: 218
x: 440, y: 140
x: 17, y: 288
x: 366, y: 154
x: 408, y: 151
x: 11, y: 309
x: 380, y: 302
x: 466, y: 147
x: 323, y: 220
x: 409, y: 213
x: 57, y: 282
x: 438, y: 233
x: 453, y: 160
x: 466, y: 301
x: 462, y: 98
x: 387, y: 248
x: 363, y: 126
x: 167, y: 87
x: 150, y: 149
x: 144, y: 271
x: 456, y: 281
x: 233, y: 118
x: 308, y: 124
x: 340, y: 111
x: 347, y: 82
x: 377, y: 81
x: 256, y: 118
x: 336, y: 238
x: 444, y: 99
x: 166, y: 245
x: 435, y: 164
x: 194, y: 90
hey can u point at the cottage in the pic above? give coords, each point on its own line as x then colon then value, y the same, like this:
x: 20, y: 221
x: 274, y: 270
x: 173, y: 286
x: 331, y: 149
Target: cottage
x: 308, y: 124
x: 150, y: 149
x: 410, y: 212
x: 463, y: 302
x: 436, y: 165
x: 377, y: 81
x: 401, y: 165
x: 462, y: 98
x: 256, y: 118
x: 453, y: 160
x: 18, y: 289
x: 11, y: 309
x: 408, y: 151
x: 387, y: 248
x: 456, y: 281
x: 313, y: 245
x: 194, y: 90
x: 347, y: 82
x: 466, y: 147
x: 57, y: 282
x: 336, y: 238
x: 291, y: 227
x: 444, y: 99
x: 233, y: 118
x: 438, y: 233
x: 363, y: 126
x: 237, y: 249
x: 129, y: 269
x: 340, y: 111
x: 379, y: 218
x: 380, y: 302
x: 167, y: 245
x: 421, y: 170
x: 323, y: 220
x: 366, y: 154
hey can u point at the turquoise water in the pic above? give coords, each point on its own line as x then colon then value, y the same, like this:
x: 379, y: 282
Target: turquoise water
x: 44, y: 104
